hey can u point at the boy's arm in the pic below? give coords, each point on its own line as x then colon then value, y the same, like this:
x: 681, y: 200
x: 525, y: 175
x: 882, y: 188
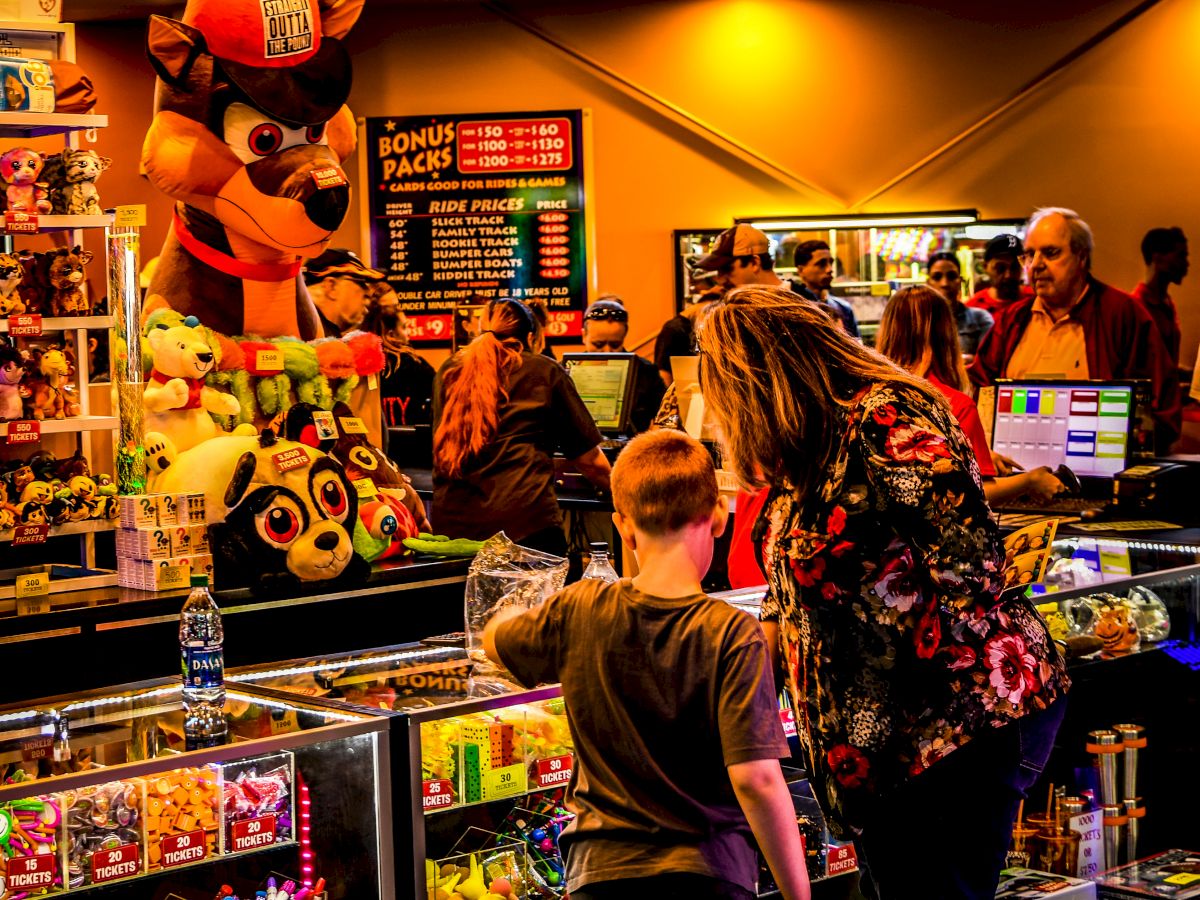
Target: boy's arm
x: 528, y: 642
x: 767, y: 805
x: 489, y: 632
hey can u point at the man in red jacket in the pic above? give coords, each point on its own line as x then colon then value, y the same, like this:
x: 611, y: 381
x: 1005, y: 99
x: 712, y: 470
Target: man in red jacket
x: 1074, y: 327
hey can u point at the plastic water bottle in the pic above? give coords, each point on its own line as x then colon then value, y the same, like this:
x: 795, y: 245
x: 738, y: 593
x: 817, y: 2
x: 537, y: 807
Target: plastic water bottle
x: 202, y: 658
x: 599, y: 567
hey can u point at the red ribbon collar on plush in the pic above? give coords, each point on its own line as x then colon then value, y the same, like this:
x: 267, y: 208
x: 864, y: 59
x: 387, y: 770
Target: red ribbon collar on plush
x: 231, y: 265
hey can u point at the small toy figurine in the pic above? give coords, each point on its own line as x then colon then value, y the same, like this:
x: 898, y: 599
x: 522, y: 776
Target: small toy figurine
x: 72, y: 176
x: 66, y: 279
x: 11, y: 275
x: 20, y: 168
x: 12, y: 368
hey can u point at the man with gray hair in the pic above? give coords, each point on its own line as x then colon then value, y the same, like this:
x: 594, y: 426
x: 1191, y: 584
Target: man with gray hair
x: 1075, y: 327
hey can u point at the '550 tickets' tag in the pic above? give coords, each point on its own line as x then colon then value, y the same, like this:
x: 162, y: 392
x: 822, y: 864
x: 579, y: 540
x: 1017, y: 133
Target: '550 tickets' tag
x: 25, y: 326
x: 286, y: 460
x: 28, y: 432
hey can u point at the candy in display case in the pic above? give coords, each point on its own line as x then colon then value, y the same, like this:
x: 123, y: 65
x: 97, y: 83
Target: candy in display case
x: 99, y: 793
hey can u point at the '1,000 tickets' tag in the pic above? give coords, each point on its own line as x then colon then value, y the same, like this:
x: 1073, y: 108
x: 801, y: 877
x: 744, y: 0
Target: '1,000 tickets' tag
x: 353, y: 425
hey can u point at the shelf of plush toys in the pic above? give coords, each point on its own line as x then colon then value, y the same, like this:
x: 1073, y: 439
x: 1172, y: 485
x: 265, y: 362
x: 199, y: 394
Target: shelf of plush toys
x: 25, y: 124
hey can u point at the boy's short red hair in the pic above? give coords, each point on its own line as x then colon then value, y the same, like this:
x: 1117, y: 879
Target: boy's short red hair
x: 664, y: 480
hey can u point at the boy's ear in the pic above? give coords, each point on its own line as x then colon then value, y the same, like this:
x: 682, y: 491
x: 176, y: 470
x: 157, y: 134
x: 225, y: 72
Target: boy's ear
x: 625, y: 529
x: 720, y: 516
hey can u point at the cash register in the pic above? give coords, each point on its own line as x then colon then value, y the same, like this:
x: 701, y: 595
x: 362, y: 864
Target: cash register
x: 606, y: 384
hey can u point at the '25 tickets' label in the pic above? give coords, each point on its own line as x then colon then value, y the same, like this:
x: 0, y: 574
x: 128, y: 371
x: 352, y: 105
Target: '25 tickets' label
x: 437, y: 793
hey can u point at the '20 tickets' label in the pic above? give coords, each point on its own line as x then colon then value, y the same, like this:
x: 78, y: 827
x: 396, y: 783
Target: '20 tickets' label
x: 251, y: 834
x: 119, y: 862
x: 181, y: 849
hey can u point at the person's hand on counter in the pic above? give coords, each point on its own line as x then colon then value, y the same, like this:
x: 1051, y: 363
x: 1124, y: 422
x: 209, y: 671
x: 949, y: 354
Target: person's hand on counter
x: 595, y: 468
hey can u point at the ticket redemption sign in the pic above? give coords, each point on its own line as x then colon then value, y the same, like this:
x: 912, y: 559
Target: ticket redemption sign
x: 462, y: 209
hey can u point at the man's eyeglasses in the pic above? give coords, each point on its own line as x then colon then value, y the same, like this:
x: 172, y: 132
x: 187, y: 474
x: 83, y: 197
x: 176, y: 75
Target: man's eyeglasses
x: 607, y: 314
x: 1049, y: 254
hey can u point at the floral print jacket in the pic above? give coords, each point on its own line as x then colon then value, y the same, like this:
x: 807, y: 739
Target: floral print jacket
x: 884, y: 582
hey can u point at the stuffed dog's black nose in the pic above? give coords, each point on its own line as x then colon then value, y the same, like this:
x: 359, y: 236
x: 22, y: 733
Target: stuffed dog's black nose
x: 326, y: 208
x: 204, y: 357
x: 326, y: 541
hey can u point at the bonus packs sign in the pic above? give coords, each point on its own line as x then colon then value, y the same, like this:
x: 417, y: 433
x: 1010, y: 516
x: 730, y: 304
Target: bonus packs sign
x: 467, y: 208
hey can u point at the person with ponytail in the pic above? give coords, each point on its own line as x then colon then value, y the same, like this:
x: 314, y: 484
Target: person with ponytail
x: 500, y: 410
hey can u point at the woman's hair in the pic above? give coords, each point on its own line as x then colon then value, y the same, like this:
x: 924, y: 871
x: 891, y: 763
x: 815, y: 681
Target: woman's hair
x: 474, y: 390
x: 916, y: 319
x: 392, y: 330
x: 775, y: 370
x: 946, y: 256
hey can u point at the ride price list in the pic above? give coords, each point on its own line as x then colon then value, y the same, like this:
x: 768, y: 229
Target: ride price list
x: 467, y: 208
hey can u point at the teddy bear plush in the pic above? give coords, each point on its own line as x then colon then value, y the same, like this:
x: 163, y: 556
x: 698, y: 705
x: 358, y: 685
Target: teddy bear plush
x: 20, y: 168
x: 66, y: 282
x: 177, y: 400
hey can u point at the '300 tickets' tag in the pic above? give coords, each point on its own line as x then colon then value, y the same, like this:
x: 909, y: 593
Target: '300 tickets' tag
x: 33, y: 585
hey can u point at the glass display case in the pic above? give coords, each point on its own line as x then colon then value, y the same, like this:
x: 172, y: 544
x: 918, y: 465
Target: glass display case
x: 486, y: 764
x: 874, y: 254
x: 102, y: 795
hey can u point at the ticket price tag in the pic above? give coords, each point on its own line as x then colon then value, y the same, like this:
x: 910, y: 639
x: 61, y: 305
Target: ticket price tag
x: 365, y: 488
x: 110, y: 865
x: 30, y: 873
x: 268, y: 361
x: 133, y: 216
x: 29, y: 432
x: 352, y: 425
x: 787, y: 718
x: 20, y: 223
x: 841, y: 859
x: 284, y: 723
x: 329, y: 177
x: 36, y: 584
x: 30, y: 534
x: 324, y: 424
x: 181, y: 849
x: 437, y: 793
x: 554, y: 771
x: 250, y: 834
x: 37, y: 747
x: 25, y: 326
x: 167, y: 577
x: 286, y: 460
x: 505, y: 782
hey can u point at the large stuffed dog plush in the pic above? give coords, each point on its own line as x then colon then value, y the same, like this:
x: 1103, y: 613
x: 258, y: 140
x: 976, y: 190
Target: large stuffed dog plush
x: 249, y: 133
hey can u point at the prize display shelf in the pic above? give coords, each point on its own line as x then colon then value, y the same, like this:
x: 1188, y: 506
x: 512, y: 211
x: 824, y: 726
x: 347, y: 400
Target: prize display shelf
x: 113, y: 801
x: 57, y: 40
x: 470, y: 748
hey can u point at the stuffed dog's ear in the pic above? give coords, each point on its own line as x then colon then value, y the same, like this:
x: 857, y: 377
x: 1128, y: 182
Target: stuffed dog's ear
x: 172, y: 47
x: 242, y: 476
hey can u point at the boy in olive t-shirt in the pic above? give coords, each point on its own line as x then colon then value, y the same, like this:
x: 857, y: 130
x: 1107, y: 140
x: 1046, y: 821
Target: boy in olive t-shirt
x: 671, y: 702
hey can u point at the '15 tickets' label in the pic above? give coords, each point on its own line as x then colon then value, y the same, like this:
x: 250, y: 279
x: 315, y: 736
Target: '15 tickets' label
x: 250, y: 834
x: 30, y: 873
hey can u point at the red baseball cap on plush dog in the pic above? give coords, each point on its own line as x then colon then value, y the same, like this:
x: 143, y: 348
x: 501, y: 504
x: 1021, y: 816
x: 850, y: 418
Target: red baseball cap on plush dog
x: 273, y: 50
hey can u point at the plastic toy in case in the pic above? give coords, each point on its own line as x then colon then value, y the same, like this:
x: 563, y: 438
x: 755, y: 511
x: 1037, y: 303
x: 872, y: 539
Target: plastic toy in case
x: 548, y: 745
x: 259, y: 802
x: 103, y: 832
x: 481, y: 861
x: 491, y: 751
x: 181, y: 823
x: 440, y: 769
x: 30, y: 831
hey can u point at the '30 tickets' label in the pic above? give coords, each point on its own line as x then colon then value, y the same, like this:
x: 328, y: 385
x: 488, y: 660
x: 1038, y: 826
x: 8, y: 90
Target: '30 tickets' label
x: 555, y: 771
x: 251, y: 834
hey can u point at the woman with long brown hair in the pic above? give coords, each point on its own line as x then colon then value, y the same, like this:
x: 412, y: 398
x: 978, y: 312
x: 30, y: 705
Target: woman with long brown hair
x: 922, y: 697
x: 918, y: 333
x: 500, y: 411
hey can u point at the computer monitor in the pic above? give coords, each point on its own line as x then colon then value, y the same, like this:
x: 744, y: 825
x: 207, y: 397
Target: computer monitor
x: 1086, y: 424
x: 605, y: 384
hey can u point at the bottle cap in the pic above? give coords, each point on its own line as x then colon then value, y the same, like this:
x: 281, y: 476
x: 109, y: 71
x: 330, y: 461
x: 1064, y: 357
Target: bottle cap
x: 199, y: 581
x: 598, y: 546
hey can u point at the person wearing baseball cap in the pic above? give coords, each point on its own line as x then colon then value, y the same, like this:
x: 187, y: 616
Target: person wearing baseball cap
x: 742, y: 255
x: 340, y: 286
x: 1002, y: 263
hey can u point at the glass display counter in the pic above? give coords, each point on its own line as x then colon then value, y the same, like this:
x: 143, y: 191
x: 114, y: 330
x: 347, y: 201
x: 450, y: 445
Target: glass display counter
x: 101, y: 795
x: 486, y: 762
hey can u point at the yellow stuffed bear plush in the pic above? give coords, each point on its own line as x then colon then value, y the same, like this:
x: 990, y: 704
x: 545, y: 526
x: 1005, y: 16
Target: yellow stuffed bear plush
x: 177, y: 400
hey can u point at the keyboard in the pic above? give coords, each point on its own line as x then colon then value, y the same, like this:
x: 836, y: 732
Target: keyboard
x: 1059, y: 504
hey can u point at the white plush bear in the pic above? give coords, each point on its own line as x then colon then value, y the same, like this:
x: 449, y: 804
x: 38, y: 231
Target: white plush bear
x: 177, y: 401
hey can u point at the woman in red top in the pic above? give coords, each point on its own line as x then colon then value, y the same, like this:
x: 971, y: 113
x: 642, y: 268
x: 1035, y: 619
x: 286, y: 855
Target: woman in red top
x: 918, y: 333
